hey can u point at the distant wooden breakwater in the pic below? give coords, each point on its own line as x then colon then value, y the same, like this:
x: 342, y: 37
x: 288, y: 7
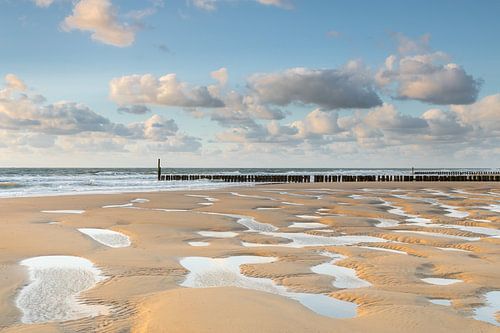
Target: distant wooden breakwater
x: 281, y: 178
x: 417, y: 176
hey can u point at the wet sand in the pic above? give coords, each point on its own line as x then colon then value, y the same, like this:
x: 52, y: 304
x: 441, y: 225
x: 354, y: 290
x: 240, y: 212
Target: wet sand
x: 390, y: 239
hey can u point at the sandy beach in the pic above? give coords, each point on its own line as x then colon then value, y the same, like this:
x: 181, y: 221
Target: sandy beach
x: 344, y: 257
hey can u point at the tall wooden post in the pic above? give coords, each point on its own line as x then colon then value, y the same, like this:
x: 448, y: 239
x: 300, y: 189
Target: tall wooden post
x: 159, y: 170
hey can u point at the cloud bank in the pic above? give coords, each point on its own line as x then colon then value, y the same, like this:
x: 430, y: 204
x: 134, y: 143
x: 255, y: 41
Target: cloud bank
x: 351, y: 86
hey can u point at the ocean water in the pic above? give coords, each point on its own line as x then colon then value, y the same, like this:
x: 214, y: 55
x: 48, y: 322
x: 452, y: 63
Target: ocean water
x: 16, y: 182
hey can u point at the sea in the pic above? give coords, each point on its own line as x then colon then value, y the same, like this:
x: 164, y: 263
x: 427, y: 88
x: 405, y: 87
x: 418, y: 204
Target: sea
x: 26, y: 182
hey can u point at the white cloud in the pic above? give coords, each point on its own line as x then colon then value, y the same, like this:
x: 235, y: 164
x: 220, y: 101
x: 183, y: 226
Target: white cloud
x: 243, y: 110
x: 221, y: 75
x: 286, y: 4
x: 29, y: 122
x: 177, y: 143
x: 444, y: 125
x: 211, y: 5
x: 43, y: 3
x: 208, y: 5
x: 351, y: 86
x: 386, y: 117
x: 100, y: 18
x: 157, y: 128
x: 134, y: 109
x: 427, y: 77
x: 165, y: 90
x: 484, y: 115
x: 317, y: 122
x: 12, y: 82
x: 381, y: 132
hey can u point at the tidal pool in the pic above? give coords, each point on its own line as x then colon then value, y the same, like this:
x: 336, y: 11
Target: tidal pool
x: 218, y: 234
x: 224, y: 272
x: 107, y: 237
x: 307, y: 225
x: 441, y: 281
x: 64, y: 211
x: 488, y: 311
x: 197, y: 244
x: 54, y: 287
x: 344, y: 277
x: 440, y: 301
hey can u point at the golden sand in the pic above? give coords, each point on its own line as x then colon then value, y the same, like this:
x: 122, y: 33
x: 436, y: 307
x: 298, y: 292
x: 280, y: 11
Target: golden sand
x: 143, y: 287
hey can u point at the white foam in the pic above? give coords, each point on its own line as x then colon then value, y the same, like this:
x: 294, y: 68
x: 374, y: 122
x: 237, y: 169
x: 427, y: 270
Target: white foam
x: 440, y: 281
x: 488, y: 311
x: 440, y: 301
x: 307, y: 225
x: 107, y: 237
x: 218, y: 234
x: 222, y: 272
x: 199, y: 243
x: 344, y: 277
x: 64, y: 211
x: 54, y: 288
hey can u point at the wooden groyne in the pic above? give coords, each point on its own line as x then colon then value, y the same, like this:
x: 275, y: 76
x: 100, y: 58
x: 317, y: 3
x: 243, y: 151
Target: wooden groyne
x: 416, y: 176
x: 281, y: 178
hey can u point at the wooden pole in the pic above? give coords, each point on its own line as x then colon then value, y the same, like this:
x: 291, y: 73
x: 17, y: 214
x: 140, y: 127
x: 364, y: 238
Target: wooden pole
x: 159, y: 170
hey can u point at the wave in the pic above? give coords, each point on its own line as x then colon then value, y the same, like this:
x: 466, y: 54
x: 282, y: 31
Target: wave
x: 15, y: 182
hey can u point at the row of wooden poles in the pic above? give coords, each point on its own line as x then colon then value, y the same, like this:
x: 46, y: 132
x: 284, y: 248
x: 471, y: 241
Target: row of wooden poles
x: 280, y: 178
x: 444, y: 176
x: 459, y: 173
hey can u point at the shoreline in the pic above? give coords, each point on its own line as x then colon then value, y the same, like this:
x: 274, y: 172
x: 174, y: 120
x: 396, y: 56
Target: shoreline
x: 250, y: 185
x: 145, y: 288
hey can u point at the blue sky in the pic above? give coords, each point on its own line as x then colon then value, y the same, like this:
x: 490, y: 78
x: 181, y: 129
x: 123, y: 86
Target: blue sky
x: 195, y: 37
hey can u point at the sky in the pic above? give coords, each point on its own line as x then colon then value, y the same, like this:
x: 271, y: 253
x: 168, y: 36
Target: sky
x: 249, y: 83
